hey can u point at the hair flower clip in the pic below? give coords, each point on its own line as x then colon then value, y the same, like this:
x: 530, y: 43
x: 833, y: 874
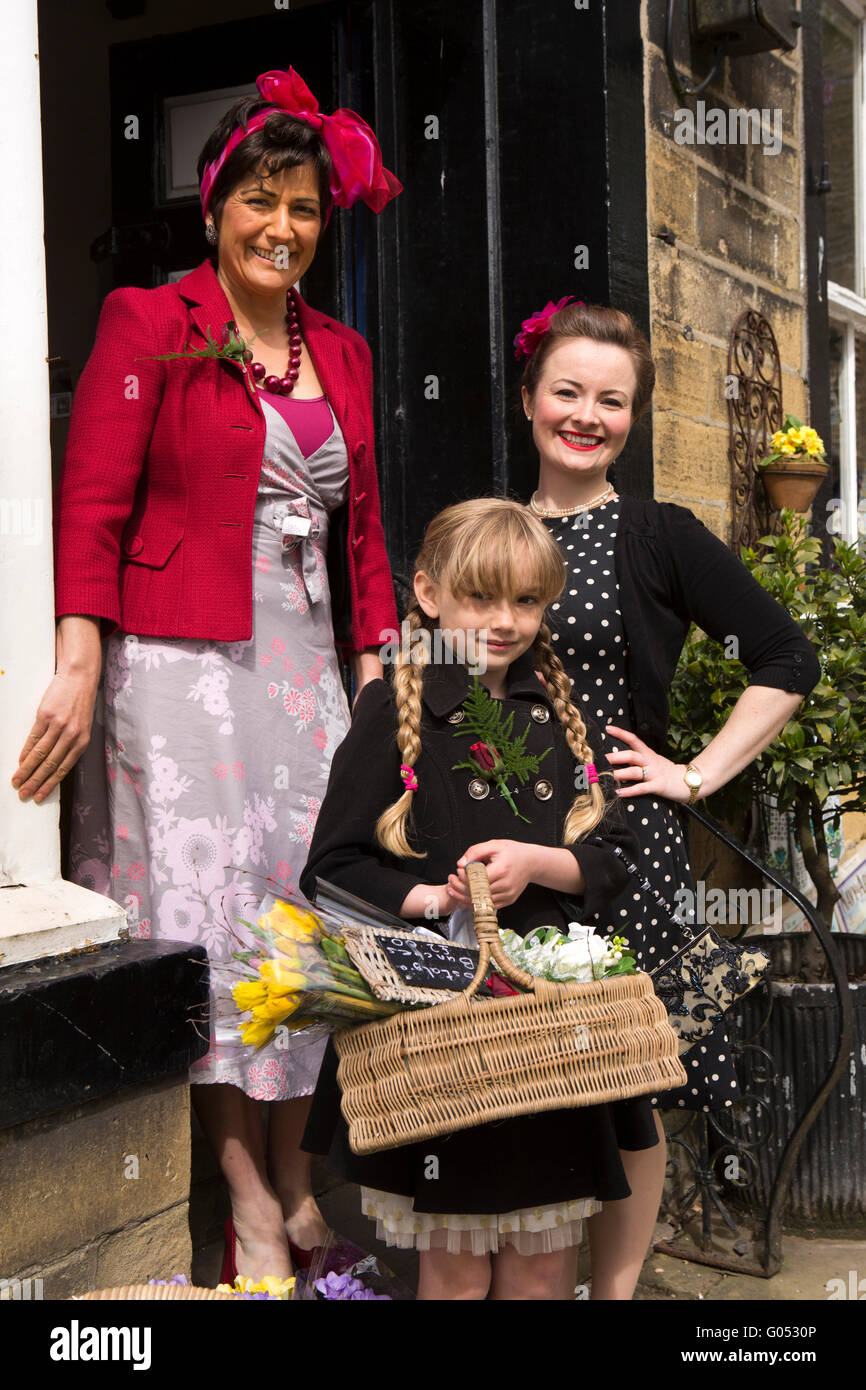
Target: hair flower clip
x: 533, y: 329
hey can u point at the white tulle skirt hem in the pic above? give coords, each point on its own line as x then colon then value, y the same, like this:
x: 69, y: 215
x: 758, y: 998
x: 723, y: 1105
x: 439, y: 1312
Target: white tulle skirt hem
x: 531, y: 1230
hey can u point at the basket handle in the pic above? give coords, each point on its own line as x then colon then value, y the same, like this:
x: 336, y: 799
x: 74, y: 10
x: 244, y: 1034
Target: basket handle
x: 487, y: 931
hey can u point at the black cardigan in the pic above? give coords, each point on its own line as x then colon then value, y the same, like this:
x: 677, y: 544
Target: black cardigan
x: 671, y: 572
x: 365, y: 779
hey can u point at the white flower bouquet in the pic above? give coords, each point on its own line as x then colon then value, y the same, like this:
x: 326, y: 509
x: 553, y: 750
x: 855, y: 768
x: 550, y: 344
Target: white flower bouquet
x: 578, y: 957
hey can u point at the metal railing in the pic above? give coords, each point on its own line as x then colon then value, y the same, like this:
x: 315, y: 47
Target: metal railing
x: 703, y: 1155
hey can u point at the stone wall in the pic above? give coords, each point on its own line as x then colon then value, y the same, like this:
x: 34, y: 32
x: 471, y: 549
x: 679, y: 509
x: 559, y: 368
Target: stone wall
x: 96, y: 1195
x: 725, y: 230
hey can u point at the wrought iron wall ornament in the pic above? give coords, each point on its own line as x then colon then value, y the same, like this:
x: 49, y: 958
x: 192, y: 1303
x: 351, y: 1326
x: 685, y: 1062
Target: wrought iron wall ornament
x: 754, y: 392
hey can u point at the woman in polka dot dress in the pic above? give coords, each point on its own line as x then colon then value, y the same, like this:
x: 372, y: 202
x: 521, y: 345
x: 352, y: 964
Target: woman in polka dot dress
x: 639, y: 572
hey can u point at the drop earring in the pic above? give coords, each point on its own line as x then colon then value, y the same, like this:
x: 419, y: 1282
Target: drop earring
x: 211, y: 234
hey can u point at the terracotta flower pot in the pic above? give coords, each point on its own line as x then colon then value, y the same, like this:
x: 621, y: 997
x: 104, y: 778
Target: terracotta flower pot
x: 792, y: 482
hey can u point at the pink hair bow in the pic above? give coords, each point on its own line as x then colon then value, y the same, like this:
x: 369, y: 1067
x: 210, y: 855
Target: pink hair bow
x: 358, y: 171
x: 533, y: 329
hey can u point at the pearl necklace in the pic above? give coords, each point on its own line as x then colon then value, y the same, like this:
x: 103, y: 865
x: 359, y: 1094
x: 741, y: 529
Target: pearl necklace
x: 285, y: 385
x: 571, y: 511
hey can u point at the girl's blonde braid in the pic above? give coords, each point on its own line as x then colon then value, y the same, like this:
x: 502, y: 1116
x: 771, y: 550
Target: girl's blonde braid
x: 588, y: 807
x: 392, y: 825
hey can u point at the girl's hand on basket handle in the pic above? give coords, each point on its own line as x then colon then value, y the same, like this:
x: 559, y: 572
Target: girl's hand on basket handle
x: 510, y: 866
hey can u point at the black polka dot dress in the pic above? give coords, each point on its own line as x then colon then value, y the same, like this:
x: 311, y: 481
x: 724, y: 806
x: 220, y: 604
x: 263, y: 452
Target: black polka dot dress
x: 588, y: 637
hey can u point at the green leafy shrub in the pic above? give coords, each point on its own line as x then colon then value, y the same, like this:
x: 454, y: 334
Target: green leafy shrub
x: 822, y: 749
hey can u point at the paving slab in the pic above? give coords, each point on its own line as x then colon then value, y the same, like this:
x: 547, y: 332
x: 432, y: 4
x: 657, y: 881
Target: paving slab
x: 813, y: 1268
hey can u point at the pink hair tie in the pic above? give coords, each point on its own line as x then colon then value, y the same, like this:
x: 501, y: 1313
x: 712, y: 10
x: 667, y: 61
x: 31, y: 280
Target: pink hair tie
x: 408, y: 775
x: 533, y: 329
x: 591, y: 774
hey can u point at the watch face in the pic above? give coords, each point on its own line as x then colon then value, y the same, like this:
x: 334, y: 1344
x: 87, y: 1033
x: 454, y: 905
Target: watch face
x: 692, y: 778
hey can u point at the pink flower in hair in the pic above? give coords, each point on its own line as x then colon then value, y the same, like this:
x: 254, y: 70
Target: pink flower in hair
x: 533, y: 329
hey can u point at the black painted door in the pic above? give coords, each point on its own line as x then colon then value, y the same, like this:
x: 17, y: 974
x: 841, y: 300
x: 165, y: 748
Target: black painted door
x: 518, y: 130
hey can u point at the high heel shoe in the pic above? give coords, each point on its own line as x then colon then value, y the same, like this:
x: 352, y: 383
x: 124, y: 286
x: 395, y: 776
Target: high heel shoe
x: 301, y: 1258
x: 229, y: 1270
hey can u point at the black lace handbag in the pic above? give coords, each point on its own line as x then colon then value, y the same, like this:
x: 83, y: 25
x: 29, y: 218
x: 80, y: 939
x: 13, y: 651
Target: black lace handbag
x: 704, y: 977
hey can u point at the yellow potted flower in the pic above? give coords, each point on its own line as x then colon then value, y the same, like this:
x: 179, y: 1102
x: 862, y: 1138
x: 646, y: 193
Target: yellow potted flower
x: 796, y: 466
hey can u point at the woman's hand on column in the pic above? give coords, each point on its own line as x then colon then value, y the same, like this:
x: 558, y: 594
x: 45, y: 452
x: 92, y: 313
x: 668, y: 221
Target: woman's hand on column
x: 61, y: 731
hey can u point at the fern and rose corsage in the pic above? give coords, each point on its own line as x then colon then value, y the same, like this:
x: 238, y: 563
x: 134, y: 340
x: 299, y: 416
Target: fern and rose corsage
x: 495, y: 756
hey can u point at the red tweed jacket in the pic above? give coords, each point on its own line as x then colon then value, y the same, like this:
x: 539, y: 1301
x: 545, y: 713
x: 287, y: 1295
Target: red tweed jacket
x: 155, y: 504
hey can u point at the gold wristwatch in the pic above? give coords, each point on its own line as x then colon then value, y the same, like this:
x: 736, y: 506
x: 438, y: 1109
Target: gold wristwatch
x: 693, y: 779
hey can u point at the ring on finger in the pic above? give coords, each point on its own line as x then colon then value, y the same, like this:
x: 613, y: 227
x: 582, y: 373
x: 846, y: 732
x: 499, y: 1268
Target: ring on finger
x: 643, y: 774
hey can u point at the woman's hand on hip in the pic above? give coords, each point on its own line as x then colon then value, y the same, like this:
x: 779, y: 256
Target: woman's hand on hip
x: 61, y: 730
x: 510, y: 866
x: 640, y: 771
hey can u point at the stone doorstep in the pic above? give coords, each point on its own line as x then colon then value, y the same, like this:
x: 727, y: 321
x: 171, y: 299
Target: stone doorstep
x: 49, y: 919
x: 89, y: 1024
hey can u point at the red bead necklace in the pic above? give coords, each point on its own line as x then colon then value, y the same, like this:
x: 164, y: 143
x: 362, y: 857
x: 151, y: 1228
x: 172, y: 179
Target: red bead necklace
x: 285, y: 385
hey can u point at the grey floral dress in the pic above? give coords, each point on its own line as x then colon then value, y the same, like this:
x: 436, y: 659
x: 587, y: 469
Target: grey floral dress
x: 208, y: 762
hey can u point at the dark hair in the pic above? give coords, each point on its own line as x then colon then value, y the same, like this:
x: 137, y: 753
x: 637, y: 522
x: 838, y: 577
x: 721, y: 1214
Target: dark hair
x: 282, y: 143
x: 602, y: 325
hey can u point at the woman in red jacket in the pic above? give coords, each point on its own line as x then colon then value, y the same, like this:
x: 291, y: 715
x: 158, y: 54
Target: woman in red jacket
x: 219, y: 515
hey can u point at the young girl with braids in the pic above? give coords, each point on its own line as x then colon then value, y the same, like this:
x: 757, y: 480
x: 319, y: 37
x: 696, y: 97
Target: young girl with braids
x: 496, y: 1209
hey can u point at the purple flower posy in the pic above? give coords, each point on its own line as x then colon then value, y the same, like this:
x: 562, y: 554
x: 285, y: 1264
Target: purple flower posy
x: 344, y: 1288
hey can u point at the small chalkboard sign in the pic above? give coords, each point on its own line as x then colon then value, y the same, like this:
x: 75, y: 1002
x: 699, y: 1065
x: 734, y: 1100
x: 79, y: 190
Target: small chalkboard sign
x: 406, y: 967
x: 429, y: 964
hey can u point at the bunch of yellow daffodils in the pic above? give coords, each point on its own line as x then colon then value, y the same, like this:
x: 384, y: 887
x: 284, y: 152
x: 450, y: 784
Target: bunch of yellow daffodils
x: 304, y: 976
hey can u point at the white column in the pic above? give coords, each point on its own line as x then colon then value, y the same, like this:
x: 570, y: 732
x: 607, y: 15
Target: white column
x: 35, y: 903
x: 29, y: 846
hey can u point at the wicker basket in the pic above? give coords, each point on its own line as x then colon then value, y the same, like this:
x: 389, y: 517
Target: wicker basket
x: 471, y: 1060
x: 152, y: 1293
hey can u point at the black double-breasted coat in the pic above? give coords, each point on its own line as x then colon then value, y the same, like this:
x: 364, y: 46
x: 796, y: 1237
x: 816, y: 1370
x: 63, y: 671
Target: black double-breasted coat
x: 532, y: 1160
